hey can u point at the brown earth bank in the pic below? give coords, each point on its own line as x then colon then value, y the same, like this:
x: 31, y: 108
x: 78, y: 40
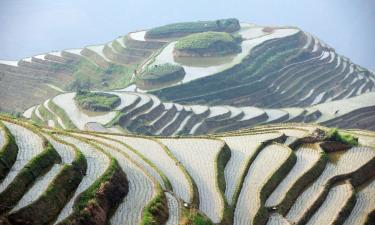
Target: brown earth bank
x: 107, y: 198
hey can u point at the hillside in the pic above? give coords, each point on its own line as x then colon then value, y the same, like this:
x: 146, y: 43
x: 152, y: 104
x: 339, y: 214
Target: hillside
x: 297, y: 174
x: 190, y: 123
x: 278, y: 67
x: 146, y: 114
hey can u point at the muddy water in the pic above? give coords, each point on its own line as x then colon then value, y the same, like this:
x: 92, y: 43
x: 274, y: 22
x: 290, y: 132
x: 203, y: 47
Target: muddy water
x: 334, y: 157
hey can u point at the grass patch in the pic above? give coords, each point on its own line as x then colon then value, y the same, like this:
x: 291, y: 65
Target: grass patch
x: 200, y: 220
x: 335, y: 135
x: 97, y: 101
x: 193, y: 217
x: 207, y: 44
x: 180, y: 29
x: 158, y: 71
x: 156, y: 212
x: 158, y: 76
x: 88, y: 75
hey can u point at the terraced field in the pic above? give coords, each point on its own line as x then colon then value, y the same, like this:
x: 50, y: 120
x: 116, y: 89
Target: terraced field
x: 143, y: 113
x: 275, y: 174
x: 239, y: 139
x: 278, y: 67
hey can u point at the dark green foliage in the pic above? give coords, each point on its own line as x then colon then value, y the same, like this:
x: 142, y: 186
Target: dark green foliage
x: 180, y: 29
x: 101, y: 198
x: 302, y: 183
x: 222, y: 160
x: 335, y: 135
x: 90, y: 193
x: 97, y: 101
x: 59, y: 192
x: 27, y: 176
x: 8, y: 153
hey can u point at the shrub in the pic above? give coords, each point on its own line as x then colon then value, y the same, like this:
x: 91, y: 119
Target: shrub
x: 97, y: 101
x: 335, y: 135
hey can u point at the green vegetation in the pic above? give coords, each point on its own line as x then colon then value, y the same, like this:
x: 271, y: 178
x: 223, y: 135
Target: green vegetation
x: 8, y: 153
x: 62, y: 114
x: 47, y: 115
x: 200, y: 220
x: 264, y: 60
x: 158, y: 76
x: 158, y: 71
x: 335, y: 135
x: 36, y: 119
x: 302, y: 183
x: 90, y: 193
x: 207, y: 44
x: 88, y: 75
x: 59, y: 191
x: 221, y: 161
x: 262, y: 215
x: 35, y: 168
x: 97, y: 101
x: 98, y: 202
x: 194, y: 217
x: 156, y: 212
x: 104, y: 195
x: 181, y: 29
x: 203, y: 40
